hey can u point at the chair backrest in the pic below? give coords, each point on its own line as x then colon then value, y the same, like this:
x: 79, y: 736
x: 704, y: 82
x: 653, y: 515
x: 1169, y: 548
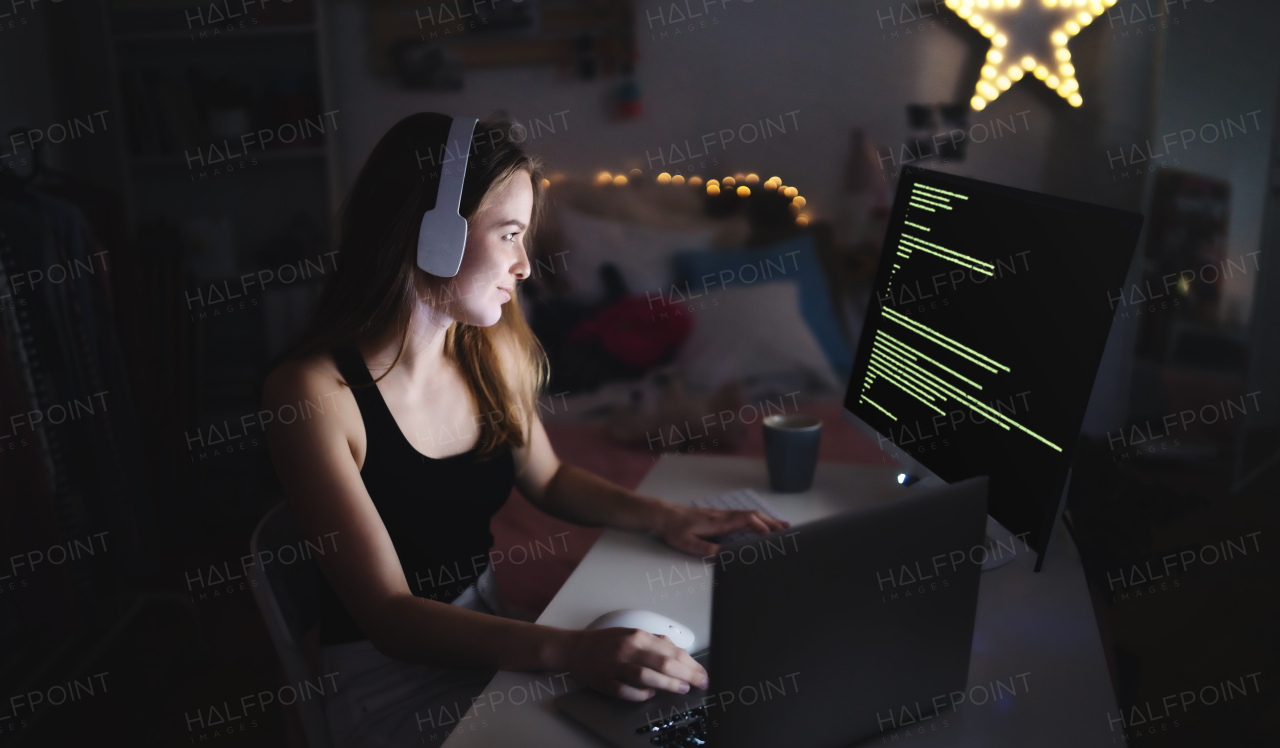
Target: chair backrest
x: 288, y: 597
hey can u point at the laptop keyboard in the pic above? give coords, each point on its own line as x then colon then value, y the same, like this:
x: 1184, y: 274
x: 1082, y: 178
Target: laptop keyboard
x: 743, y: 498
x: 687, y: 728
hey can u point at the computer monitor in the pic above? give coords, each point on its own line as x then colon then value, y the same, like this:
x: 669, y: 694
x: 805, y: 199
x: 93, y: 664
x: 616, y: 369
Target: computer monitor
x: 982, y: 339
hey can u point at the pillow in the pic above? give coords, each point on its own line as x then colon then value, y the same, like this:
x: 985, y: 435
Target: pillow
x: 754, y: 332
x: 795, y: 260
x: 642, y: 254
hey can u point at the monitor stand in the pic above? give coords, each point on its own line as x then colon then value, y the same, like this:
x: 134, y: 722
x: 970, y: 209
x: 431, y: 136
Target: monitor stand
x: 1053, y: 521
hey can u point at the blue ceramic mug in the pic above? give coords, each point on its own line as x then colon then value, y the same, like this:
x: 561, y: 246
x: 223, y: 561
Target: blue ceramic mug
x: 791, y: 451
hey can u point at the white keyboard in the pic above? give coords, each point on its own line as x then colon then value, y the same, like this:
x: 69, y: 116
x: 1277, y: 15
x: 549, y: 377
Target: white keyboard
x: 743, y: 498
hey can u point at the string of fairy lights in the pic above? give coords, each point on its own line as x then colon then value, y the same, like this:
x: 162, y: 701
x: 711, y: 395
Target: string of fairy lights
x: 739, y: 185
x: 1006, y: 63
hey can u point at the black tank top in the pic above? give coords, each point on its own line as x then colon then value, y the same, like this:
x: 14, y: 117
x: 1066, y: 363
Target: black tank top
x: 436, y: 511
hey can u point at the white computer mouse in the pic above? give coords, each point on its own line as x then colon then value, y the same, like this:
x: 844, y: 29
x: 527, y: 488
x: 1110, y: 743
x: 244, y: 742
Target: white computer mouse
x: 645, y: 620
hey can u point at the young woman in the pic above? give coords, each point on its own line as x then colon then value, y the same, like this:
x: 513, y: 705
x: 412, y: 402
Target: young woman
x: 393, y: 351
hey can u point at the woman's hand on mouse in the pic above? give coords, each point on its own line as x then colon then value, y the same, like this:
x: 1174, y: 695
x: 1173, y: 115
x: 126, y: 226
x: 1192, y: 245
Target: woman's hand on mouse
x: 686, y: 528
x: 631, y: 664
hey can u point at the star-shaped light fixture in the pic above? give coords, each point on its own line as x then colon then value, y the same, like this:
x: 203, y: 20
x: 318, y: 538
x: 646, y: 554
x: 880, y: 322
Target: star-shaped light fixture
x: 1017, y: 49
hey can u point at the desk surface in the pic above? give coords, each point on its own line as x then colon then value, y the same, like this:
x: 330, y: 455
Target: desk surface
x: 1037, y: 665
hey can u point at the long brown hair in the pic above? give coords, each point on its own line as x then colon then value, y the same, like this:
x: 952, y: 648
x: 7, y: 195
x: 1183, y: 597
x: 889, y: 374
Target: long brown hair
x: 372, y: 292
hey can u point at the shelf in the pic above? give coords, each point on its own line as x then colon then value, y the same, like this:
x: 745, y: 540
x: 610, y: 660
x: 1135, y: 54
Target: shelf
x: 552, y: 39
x: 189, y: 35
x: 279, y: 155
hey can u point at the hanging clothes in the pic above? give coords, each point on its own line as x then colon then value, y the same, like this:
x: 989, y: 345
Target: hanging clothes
x: 74, y: 483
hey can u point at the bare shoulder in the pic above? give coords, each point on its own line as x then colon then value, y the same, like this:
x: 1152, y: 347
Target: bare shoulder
x: 303, y: 386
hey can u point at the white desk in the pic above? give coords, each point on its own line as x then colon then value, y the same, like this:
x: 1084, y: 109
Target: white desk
x: 1038, y: 625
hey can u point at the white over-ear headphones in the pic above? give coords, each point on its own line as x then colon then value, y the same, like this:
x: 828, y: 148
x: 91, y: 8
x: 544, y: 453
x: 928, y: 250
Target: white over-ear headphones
x: 442, y: 236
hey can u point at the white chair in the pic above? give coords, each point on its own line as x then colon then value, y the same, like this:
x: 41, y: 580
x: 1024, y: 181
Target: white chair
x: 288, y: 597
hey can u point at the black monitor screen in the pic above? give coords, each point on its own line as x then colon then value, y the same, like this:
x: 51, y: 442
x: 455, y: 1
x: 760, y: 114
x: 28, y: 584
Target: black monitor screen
x: 990, y: 312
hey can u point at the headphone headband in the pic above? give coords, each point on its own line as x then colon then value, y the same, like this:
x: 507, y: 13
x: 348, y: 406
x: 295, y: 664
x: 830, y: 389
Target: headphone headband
x: 442, y: 235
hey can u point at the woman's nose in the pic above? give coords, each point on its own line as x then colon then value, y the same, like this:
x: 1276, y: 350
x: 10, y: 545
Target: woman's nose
x: 521, y: 267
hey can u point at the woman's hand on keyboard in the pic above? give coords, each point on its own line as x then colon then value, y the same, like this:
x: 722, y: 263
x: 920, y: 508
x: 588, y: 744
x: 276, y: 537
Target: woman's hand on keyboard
x: 686, y: 528
x: 631, y: 664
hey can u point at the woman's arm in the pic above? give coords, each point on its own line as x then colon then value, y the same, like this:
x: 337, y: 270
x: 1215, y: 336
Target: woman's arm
x: 576, y: 495
x: 324, y: 489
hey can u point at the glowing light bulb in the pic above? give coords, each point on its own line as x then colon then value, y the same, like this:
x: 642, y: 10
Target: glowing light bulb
x: 1075, y: 100
x: 1067, y: 69
x: 1059, y: 38
x: 1003, y: 83
x: 1041, y: 72
x: 988, y: 71
x: 1029, y: 63
x: 728, y: 182
x: 604, y: 177
x: 664, y: 178
x: 999, y: 40
x: 620, y: 180
x: 802, y: 220
x: 743, y: 190
x: 1015, y: 72
x: 678, y: 180
x: 695, y: 181
x: 978, y: 103
x: 713, y: 189
x: 995, y: 56
x: 546, y: 183
x: 752, y: 179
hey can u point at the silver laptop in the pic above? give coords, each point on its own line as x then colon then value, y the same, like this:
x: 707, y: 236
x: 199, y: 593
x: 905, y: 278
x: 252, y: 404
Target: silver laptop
x: 864, y: 615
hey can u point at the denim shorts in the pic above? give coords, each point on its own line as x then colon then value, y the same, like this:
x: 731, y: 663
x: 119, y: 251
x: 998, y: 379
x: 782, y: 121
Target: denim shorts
x: 385, y: 702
